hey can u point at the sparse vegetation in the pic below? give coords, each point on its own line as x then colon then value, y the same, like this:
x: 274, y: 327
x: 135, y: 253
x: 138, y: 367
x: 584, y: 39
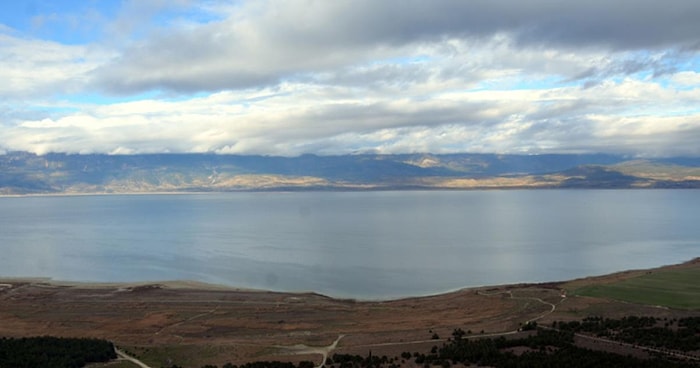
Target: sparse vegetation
x: 545, y: 348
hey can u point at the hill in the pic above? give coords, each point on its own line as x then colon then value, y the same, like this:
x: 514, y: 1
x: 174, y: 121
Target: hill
x: 27, y: 173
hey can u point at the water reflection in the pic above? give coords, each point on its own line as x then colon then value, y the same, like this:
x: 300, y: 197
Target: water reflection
x: 366, y: 245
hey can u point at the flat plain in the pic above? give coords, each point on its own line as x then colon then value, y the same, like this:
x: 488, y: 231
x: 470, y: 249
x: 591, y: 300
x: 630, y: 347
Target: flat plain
x: 193, y: 324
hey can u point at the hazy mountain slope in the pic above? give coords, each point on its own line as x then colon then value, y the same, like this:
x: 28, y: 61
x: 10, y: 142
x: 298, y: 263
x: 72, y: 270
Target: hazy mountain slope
x: 26, y: 173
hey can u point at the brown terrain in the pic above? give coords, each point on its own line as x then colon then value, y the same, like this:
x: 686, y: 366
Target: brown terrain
x: 195, y: 324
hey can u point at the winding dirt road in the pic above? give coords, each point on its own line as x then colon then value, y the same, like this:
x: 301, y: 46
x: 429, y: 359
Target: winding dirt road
x: 510, y: 294
x: 124, y: 356
x: 324, y: 351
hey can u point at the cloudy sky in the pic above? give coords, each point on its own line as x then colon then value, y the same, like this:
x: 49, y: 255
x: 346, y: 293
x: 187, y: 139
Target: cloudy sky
x: 356, y: 76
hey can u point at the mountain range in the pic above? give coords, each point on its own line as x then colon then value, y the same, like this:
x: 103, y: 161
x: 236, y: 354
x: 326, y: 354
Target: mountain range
x: 57, y: 173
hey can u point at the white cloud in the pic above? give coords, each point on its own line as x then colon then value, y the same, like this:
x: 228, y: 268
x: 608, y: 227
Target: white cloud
x: 296, y: 119
x: 291, y: 77
x: 687, y: 78
x: 31, y: 68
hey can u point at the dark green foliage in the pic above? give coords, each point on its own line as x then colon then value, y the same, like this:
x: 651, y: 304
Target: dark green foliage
x: 50, y: 352
x: 356, y: 361
x: 306, y: 364
x: 530, y: 326
x: 546, y: 348
x: 270, y: 364
x: 646, y: 331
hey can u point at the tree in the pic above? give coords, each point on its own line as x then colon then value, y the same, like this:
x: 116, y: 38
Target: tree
x: 458, y: 333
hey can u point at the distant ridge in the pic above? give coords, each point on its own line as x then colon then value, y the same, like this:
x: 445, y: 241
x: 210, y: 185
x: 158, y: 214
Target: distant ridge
x: 55, y: 173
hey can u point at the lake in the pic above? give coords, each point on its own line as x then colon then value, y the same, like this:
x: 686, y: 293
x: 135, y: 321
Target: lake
x: 364, y: 245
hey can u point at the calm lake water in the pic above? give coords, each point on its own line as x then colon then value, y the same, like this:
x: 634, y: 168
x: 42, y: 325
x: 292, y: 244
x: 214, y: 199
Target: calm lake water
x: 360, y: 244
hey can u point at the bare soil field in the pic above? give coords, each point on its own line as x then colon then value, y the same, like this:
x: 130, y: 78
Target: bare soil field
x: 193, y: 324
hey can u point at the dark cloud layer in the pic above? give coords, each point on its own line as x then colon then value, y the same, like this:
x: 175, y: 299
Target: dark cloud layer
x: 264, y: 43
x: 621, y: 24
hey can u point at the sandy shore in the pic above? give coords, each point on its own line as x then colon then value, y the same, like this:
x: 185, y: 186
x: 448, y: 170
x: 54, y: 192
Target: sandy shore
x: 198, y: 285
x: 169, y: 284
x: 234, y: 324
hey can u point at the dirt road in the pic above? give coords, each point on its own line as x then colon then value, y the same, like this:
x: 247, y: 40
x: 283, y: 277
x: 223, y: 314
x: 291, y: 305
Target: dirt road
x: 324, y: 351
x: 124, y: 356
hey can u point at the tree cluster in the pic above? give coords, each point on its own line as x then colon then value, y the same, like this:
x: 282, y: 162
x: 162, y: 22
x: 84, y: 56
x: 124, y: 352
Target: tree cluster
x: 53, y: 352
x: 546, y: 348
x: 677, y: 334
x: 261, y: 364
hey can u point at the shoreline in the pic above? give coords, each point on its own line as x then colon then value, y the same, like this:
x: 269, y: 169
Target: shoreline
x: 332, y: 190
x: 96, y: 194
x: 183, y: 320
x: 205, y: 286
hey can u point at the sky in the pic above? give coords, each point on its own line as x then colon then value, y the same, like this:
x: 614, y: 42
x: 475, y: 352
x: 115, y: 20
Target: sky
x: 289, y: 77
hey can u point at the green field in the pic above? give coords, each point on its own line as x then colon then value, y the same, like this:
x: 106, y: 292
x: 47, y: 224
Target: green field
x: 675, y: 288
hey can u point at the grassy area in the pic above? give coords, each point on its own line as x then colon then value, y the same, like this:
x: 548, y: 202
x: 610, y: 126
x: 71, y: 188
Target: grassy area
x: 674, y: 288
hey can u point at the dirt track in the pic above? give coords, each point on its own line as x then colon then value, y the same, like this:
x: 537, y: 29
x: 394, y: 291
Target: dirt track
x: 255, y: 323
x: 217, y: 325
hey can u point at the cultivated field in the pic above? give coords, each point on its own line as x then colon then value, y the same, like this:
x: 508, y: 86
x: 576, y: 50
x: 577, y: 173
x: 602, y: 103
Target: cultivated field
x: 673, y: 288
